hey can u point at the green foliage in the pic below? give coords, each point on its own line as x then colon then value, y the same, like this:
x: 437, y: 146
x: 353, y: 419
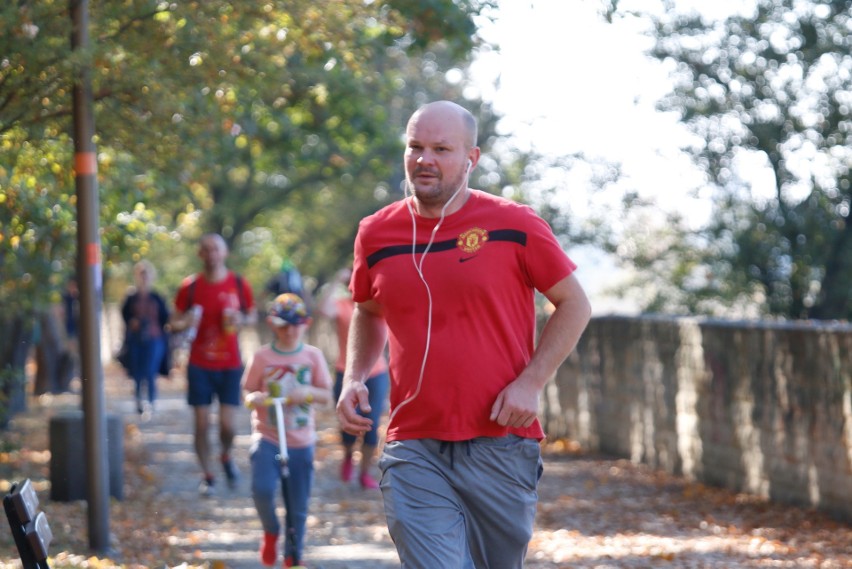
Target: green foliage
x: 275, y: 123
x: 36, y: 210
x: 213, y: 115
x: 768, y: 93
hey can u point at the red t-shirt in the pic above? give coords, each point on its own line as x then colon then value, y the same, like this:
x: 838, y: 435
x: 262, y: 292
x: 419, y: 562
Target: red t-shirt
x: 483, y: 268
x: 214, y: 346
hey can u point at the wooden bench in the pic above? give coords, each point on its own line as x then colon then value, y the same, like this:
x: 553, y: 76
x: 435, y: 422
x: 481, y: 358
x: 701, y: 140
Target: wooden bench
x: 29, y: 526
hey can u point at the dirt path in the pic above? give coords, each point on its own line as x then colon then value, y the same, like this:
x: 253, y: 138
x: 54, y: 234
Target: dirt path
x: 594, y: 512
x: 346, y: 524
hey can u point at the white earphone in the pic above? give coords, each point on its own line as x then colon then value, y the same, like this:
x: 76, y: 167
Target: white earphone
x: 418, y: 266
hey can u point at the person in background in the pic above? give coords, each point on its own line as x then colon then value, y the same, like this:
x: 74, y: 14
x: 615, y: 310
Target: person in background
x: 288, y: 279
x: 335, y: 303
x: 453, y: 272
x: 288, y: 368
x: 218, y: 303
x: 70, y: 310
x: 71, y: 307
x: 145, y: 316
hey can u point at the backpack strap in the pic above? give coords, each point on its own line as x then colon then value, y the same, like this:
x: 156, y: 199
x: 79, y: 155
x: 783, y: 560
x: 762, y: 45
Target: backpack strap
x: 190, y: 292
x: 241, y: 292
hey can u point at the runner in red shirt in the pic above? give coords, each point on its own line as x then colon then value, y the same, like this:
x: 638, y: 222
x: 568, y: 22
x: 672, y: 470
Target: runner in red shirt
x: 453, y: 273
x: 218, y: 303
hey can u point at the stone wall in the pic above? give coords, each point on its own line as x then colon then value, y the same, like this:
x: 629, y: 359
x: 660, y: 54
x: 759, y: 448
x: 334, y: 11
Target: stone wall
x: 762, y: 408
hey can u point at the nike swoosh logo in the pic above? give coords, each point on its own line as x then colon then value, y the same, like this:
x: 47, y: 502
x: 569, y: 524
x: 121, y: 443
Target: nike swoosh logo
x: 466, y: 259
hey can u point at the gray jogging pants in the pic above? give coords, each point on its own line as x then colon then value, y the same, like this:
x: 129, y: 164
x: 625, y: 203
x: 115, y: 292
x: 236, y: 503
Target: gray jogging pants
x: 461, y: 505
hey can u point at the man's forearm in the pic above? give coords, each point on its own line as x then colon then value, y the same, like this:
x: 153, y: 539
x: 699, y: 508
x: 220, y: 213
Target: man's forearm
x: 367, y: 337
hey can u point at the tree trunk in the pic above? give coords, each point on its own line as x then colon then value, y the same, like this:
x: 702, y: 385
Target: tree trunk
x: 49, y: 355
x: 833, y: 300
x: 14, y: 349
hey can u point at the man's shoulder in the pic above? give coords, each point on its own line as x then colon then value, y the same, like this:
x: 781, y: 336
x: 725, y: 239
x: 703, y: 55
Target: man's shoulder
x: 385, y: 224
x: 190, y: 280
x: 485, y: 200
x: 498, y: 212
x: 389, y: 211
x: 239, y: 279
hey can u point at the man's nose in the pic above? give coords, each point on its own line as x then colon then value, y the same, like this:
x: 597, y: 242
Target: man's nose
x: 426, y: 159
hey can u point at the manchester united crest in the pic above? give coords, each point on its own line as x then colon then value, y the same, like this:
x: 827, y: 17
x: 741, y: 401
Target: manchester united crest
x: 472, y: 240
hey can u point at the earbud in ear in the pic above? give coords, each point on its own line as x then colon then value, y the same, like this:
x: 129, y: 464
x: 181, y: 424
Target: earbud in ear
x: 469, y: 165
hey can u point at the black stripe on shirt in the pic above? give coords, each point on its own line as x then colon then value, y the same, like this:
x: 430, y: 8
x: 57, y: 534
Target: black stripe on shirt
x: 509, y: 235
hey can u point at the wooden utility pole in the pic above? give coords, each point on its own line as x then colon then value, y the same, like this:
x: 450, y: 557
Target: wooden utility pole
x: 90, y: 283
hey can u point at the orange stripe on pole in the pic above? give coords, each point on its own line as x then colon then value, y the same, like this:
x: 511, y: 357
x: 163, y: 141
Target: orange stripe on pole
x: 93, y: 254
x: 85, y: 163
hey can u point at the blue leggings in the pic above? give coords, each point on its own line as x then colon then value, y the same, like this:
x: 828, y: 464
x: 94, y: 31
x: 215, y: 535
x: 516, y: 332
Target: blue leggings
x: 377, y: 386
x: 145, y: 358
x: 265, y: 478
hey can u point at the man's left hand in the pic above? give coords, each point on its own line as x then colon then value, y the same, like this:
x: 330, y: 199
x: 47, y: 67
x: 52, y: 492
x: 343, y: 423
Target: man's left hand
x: 516, y: 405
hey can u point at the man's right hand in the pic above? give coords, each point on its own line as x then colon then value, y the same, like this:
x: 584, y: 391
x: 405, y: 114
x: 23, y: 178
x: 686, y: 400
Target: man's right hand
x: 353, y: 396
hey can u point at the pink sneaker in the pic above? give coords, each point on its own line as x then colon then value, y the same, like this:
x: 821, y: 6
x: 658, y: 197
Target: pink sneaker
x: 368, y: 483
x: 346, y: 469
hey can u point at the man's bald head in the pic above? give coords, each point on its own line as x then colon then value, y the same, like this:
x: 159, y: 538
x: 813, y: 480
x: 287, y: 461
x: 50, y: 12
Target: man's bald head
x: 450, y: 111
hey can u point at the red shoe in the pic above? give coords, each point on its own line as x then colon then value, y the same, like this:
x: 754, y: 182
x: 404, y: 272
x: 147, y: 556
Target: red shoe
x: 346, y: 469
x: 288, y: 562
x: 268, y: 552
x: 368, y: 482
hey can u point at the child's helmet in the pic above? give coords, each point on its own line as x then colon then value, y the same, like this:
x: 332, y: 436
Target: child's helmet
x: 288, y: 308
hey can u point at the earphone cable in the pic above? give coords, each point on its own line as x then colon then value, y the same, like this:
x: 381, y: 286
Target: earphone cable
x: 419, y: 268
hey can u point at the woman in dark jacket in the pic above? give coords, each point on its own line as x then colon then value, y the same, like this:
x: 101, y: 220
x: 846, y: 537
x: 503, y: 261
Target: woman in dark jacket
x: 145, y: 316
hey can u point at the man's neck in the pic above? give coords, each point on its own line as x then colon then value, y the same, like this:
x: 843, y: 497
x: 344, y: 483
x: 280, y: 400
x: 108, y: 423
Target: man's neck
x: 215, y: 274
x: 434, y: 210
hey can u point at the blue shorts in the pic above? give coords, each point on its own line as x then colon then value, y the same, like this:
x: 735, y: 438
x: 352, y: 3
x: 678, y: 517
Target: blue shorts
x: 205, y: 383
